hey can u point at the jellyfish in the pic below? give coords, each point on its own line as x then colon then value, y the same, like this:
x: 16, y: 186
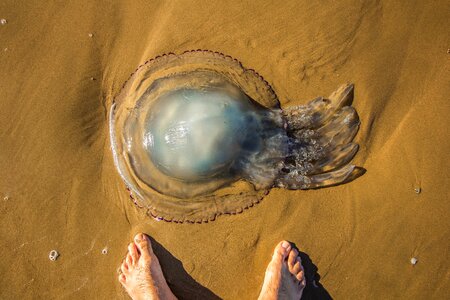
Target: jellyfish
x: 198, y: 135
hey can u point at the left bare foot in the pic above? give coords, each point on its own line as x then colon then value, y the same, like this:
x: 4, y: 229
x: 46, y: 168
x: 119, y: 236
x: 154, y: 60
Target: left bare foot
x: 142, y: 276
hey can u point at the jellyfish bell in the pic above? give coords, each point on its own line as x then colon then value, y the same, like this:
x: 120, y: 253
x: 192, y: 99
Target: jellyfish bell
x: 197, y: 135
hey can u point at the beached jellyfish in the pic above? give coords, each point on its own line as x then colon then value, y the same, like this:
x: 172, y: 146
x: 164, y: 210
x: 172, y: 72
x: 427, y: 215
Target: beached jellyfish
x: 197, y: 135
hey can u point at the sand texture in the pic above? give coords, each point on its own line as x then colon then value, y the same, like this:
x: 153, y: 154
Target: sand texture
x: 59, y: 188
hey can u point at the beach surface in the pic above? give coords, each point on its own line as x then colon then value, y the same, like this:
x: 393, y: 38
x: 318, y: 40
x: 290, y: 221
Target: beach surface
x: 61, y: 66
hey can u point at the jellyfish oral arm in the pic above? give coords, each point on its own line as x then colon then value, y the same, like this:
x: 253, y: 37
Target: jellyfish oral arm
x: 320, y: 141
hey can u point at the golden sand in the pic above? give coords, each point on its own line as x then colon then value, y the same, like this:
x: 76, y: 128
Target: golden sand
x: 62, y: 64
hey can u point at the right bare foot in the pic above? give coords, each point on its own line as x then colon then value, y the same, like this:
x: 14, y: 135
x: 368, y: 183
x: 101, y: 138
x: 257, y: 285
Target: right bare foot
x: 142, y: 276
x: 285, y: 277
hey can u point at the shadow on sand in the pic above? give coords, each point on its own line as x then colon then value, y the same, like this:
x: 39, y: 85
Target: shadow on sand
x: 314, y: 289
x: 185, y: 287
x: 180, y: 282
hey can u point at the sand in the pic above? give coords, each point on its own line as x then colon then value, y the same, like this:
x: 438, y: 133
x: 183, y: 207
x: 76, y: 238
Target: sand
x: 59, y: 188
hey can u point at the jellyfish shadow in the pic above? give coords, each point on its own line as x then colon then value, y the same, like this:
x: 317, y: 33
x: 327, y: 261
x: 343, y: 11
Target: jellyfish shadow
x: 180, y: 282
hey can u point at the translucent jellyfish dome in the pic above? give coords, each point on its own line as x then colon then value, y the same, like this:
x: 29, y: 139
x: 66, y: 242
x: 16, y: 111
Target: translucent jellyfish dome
x: 197, y: 135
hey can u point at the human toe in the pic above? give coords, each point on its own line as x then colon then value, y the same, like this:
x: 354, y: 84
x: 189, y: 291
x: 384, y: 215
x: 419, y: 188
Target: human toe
x: 300, y: 277
x: 124, y: 268
x: 133, y: 253
x: 122, y: 278
x: 143, y: 245
x: 296, y: 268
x: 129, y: 260
x: 292, y: 258
x: 282, y: 249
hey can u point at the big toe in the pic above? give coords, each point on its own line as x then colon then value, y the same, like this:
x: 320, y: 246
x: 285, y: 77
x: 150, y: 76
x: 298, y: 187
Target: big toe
x: 281, y: 251
x: 142, y: 242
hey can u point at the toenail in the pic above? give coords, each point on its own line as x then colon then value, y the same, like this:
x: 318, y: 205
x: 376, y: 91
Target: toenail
x: 285, y: 245
x: 139, y: 237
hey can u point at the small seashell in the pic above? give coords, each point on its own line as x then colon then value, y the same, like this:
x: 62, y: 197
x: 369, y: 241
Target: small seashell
x: 105, y: 251
x: 417, y: 190
x: 92, y: 78
x: 90, y: 35
x: 3, y: 21
x: 53, y: 255
x: 6, y: 198
x: 414, y: 261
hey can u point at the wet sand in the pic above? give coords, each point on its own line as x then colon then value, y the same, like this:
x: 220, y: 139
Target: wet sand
x: 59, y: 188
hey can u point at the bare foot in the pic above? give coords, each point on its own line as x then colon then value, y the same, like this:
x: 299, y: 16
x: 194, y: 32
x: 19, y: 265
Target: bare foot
x: 285, y: 277
x: 141, y: 275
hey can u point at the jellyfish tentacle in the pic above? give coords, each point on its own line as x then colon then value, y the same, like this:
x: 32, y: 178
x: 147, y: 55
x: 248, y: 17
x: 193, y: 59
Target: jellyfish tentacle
x: 335, y: 159
x: 343, y: 96
x: 295, y: 181
x: 331, y: 178
x: 341, y: 128
x: 320, y: 144
x: 307, y: 116
x: 319, y: 110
